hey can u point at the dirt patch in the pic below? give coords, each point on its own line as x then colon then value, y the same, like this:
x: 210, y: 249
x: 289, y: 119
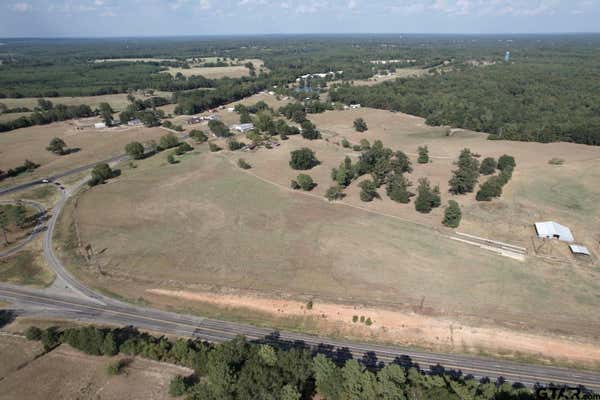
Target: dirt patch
x: 406, y: 328
x: 66, y: 373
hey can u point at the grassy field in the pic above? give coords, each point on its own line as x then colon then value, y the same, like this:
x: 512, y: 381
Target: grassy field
x: 15, y: 352
x: 117, y: 101
x: 14, y: 233
x: 235, y: 71
x: 65, y: 373
x: 26, y: 268
x: 227, y: 230
x: 95, y: 145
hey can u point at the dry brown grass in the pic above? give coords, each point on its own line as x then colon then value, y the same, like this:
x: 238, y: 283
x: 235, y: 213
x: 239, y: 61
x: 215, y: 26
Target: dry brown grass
x: 205, y: 224
x: 30, y: 143
x: 66, y: 373
x: 15, y: 352
x: 236, y: 71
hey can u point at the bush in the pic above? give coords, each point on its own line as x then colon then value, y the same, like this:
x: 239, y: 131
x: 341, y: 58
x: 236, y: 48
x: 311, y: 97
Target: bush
x: 356, y: 147
x: 57, y: 146
x: 177, y: 386
x: 427, y: 199
x: 33, y: 333
x: 171, y: 158
x: 368, y: 190
x: 219, y: 128
x: 506, y: 161
x: 309, y: 131
x: 306, y: 182
x: 488, y: 166
x: 295, y: 185
x: 452, y: 215
x: 355, y: 318
x: 423, y: 155
x: 556, y: 161
x: 234, y: 145
x: 243, y: 164
x: 117, y: 367
x: 135, y: 150
x: 360, y: 125
x: 168, y: 141
x: 345, y: 143
x: 199, y: 136
x: 334, y: 193
x: 303, y: 159
x: 100, y: 174
x: 214, y: 147
x: 368, y: 322
x: 397, y: 189
x: 183, y: 148
x: 466, y: 175
x: 490, y: 189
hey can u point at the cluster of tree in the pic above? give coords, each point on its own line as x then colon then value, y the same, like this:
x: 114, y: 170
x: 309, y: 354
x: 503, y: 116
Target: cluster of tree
x: 59, y: 112
x: 303, y: 159
x: 294, y: 112
x: 219, y: 128
x: 274, y: 369
x: 27, y: 166
x: 101, y: 173
x: 198, y: 135
x: 427, y: 198
x: 135, y: 150
x: 226, y: 91
x: 492, y: 187
x: 144, y: 110
x: 466, y: 175
x: 234, y: 145
x: 12, y: 214
x: 58, y: 147
x: 5, y: 110
x: 309, y: 130
x: 511, y: 101
x: 317, y: 107
x: 304, y: 182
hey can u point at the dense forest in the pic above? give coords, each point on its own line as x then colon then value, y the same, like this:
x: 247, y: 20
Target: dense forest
x: 548, y: 91
x: 273, y: 369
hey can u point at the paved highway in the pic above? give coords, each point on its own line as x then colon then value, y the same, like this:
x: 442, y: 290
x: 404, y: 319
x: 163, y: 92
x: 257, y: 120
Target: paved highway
x: 85, y: 304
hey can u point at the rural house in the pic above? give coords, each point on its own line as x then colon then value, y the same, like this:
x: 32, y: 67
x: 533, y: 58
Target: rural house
x: 553, y: 230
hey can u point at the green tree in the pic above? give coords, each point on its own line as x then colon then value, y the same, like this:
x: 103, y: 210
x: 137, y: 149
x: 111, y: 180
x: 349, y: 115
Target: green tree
x: 303, y: 159
x: 306, y: 182
x: 328, y: 378
x: 309, y: 130
x: 177, y: 386
x: 100, y: 174
x: 391, y: 382
x: 423, y: 155
x: 135, y: 150
x: 359, y: 384
x: 334, y: 193
x: 33, y: 333
x: 198, y: 135
x: 168, y: 141
x: 109, y: 346
x: 488, y: 166
x: 401, y: 164
x: 243, y: 164
x: 505, y: 162
x: 213, y: 147
x: 397, y: 188
x: 452, y: 215
x: 171, y: 158
x: 106, y: 112
x: 57, y: 146
x: 368, y: 190
x: 490, y: 189
x: 427, y: 198
x: 360, y: 125
x: 288, y: 392
x: 345, y: 173
x: 219, y: 128
x: 263, y: 121
x: 466, y: 175
x: 345, y: 143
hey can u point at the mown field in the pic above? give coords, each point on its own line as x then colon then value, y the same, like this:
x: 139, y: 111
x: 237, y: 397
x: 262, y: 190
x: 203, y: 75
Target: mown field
x: 204, y: 224
x: 235, y: 71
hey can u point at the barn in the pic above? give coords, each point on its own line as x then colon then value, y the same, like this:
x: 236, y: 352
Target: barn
x: 553, y: 230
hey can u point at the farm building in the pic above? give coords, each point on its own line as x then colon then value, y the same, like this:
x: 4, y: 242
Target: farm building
x: 578, y: 249
x: 243, y: 128
x: 553, y: 230
x: 134, y: 122
x: 100, y: 125
x: 354, y: 106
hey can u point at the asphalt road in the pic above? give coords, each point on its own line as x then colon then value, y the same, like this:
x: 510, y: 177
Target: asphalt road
x: 83, y: 303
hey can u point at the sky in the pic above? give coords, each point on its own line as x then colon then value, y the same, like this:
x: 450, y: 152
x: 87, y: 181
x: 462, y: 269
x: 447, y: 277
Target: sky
x: 106, y: 18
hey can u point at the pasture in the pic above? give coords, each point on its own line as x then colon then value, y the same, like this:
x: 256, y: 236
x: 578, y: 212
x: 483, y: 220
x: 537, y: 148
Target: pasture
x: 93, y: 144
x: 230, y: 231
x: 234, y: 71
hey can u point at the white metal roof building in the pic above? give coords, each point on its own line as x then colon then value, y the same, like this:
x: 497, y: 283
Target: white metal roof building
x: 242, y: 127
x: 578, y: 249
x: 553, y: 230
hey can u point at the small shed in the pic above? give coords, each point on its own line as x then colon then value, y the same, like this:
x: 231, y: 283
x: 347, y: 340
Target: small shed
x: 354, y: 106
x: 553, y: 230
x: 243, y: 128
x: 135, y: 122
x: 579, y: 249
x: 100, y: 125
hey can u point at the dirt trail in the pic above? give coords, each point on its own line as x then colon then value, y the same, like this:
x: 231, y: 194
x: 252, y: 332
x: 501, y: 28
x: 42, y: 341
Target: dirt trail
x: 407, y: 328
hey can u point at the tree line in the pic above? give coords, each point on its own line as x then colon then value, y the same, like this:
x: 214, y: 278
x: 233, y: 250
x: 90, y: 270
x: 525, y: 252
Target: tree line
x: 272, y: 369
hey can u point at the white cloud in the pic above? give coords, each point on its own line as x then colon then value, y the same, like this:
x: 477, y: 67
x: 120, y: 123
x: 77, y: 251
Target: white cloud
x: 21, y: 7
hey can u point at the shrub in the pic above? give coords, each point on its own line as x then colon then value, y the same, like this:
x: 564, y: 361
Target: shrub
x: 466, y: 175
x: 303, y: 159
x: 306, y: 182
x: 368, y: 190
x: 506, y: 161
x: 345, y: 143
x: 309, y: 305
x: 427, y: 198
x: 177, y: 386
x: 243, y: 164
x: 183, y: 148
x: 368, y: 322
x: 334, y: 193
x: 397, y: 189
x: 168, y: 141
x: 295, y: 185
x: 33, y: 333
x: 171, y: 158
x: 355, y: 318
x: 214, y: 147
x: 362, y: 319
x: 452, y: 215
x: 556, y: 161
x: 234, y: 145
x: 490, y: 189
x: 423, y: 155
x: 360, y: 125
x: 356, y: 147
x: 309, y: 130
x: 57, y: 146
x: 199, y: 136
x: 101, y: 173
x: 116, y: 367
x: 488, y: 166
x: 219, y: 128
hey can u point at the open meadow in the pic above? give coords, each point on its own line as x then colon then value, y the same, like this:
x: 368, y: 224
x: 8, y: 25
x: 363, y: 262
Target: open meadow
x: 247, y: 234
x: 232, y: 71
x: 93, y: 144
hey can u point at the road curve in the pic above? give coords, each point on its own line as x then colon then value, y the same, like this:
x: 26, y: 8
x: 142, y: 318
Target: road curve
x: 91, y: 306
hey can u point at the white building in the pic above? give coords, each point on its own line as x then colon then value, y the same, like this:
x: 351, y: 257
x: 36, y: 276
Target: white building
x: 242, y: 128
x: 578, y: 249
x: 553, y: 230
x: 134, y: 122
x: 354, y: 106
x: 100, y: 125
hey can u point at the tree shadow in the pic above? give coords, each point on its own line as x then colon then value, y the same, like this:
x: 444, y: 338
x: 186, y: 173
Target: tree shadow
x: 7, y: 317
x: 71, y: 150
